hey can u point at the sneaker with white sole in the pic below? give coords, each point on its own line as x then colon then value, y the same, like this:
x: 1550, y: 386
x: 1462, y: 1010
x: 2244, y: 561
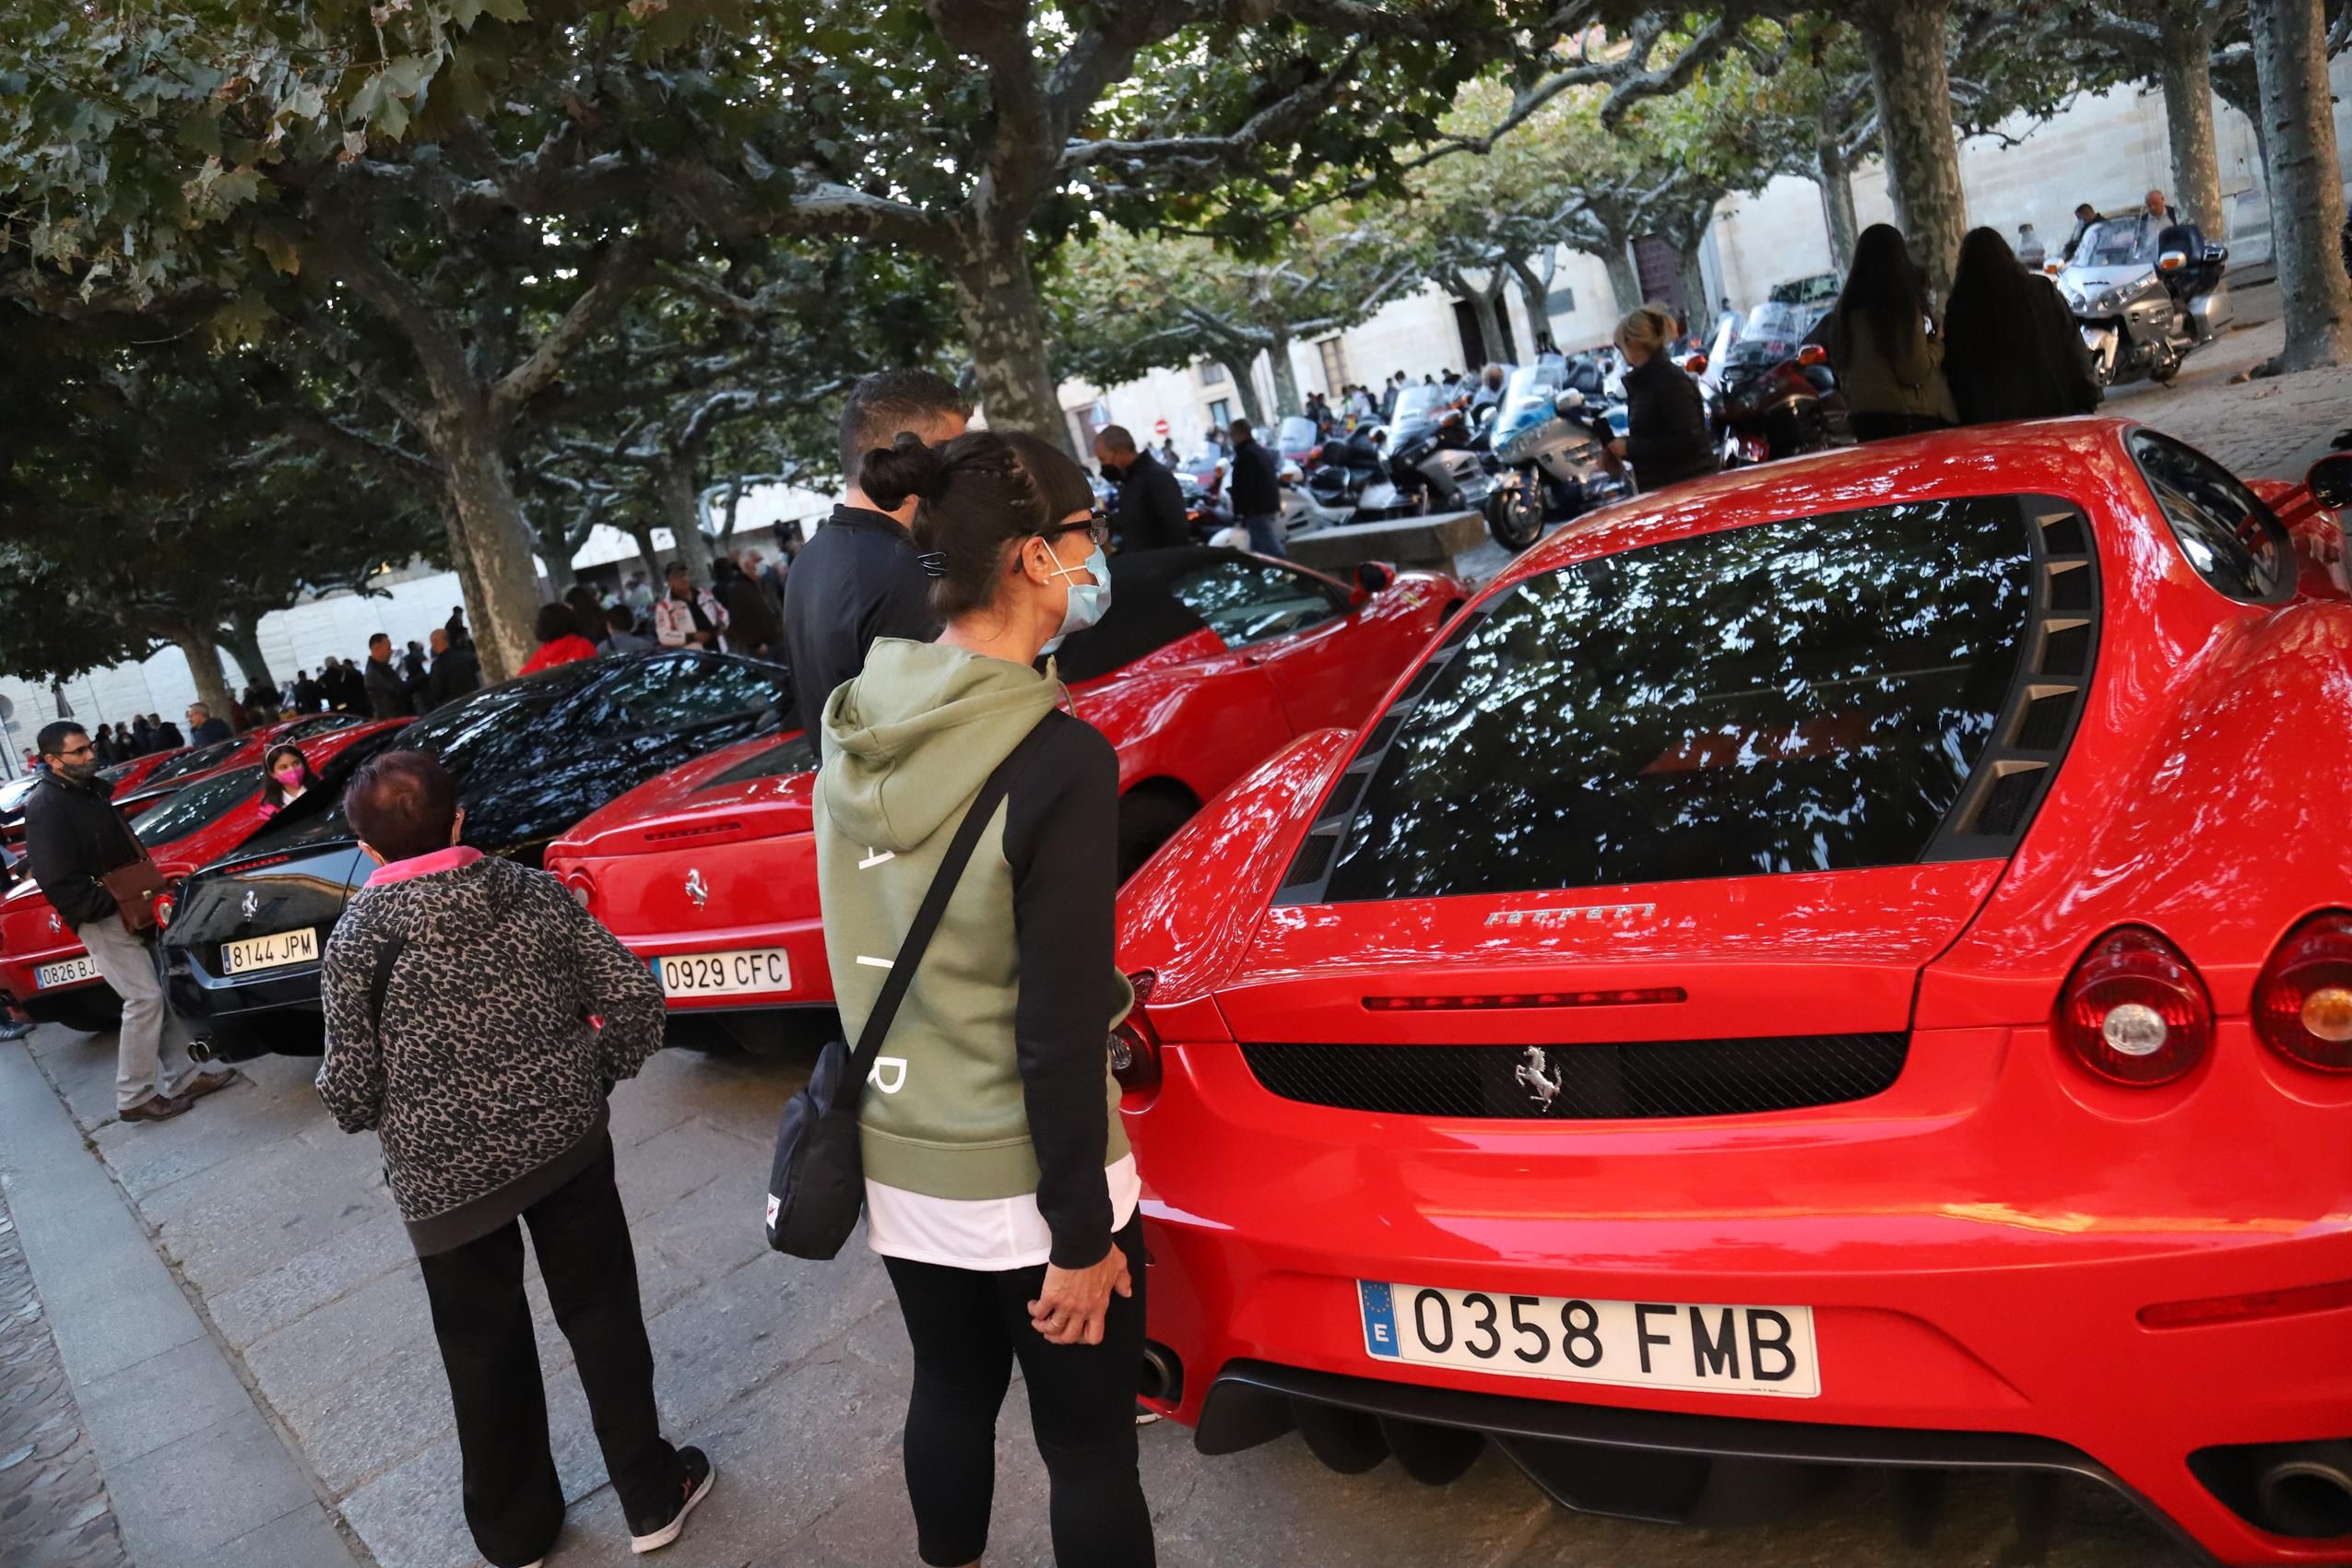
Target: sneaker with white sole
x: 652, y: 1534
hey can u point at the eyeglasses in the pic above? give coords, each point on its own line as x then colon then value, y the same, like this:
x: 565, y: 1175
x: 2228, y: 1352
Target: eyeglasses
x: 1097, y: 527
x: 84, y: 749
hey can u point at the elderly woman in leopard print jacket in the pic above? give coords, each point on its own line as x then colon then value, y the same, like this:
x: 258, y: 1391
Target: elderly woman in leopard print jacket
x: 476, y: 1019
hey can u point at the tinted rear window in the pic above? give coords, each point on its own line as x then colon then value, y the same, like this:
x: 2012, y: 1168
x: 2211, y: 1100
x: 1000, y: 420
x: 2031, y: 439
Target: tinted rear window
x: 2229, y: 536
x: 1799, y: 696
x: 196, y: 762
x: 198, y: 806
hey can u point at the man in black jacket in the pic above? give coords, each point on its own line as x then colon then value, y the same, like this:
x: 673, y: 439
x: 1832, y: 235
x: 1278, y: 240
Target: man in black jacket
x: 1258, y: 493
x: 73, y: 838
x: 454, y: 671
x: 1150, y: 507
x: 388, y: 694
x: 858, y: 578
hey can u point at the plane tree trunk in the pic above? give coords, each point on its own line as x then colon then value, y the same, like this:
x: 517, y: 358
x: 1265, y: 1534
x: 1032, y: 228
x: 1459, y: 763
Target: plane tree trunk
x: 1904, y: 41
x: 2304, y: 178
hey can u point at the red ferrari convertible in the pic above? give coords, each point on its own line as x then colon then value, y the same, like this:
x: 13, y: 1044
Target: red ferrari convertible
x: 1209, y: 662
x: 43, y: 965
x: 1846, y: 965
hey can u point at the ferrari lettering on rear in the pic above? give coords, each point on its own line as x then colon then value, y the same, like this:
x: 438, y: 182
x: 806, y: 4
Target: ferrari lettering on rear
x: 1559, y: 919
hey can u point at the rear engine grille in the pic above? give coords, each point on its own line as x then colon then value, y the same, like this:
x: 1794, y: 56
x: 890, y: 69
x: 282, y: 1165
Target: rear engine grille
x: 1638, y: 1080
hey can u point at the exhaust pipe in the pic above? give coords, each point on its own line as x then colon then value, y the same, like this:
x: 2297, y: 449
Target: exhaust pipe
x: 1162, y: 1375
x: 2305, y: 1490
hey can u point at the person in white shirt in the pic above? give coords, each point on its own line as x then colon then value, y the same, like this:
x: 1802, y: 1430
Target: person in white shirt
x: 688, y: 617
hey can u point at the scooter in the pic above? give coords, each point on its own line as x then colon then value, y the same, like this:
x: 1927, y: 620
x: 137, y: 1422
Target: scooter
x: 2144, y: 296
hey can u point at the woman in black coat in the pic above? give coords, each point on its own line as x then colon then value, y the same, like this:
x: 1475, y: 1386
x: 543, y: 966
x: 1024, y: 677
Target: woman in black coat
x: 2012, y: 350
x: 1666, y: 436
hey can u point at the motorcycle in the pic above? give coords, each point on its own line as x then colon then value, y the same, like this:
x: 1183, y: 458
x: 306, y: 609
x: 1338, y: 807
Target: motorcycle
x: 2144, y: 296
x: 1791, y: 406
x: 1549, y: 438
x: 1431, y: 465
x: 1337, y: 472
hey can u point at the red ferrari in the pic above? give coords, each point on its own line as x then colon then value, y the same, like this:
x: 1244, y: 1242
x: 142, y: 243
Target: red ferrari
x: 43, y: 965
x: 1207, y: 662
x: 1849, y: 965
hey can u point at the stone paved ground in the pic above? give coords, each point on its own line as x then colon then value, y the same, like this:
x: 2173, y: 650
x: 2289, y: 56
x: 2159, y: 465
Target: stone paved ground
x: 54, y: 1510
x: 794, y: 1374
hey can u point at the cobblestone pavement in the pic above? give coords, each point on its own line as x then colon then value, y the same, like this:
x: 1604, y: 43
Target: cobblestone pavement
x: 54, y: 1510
x: 794, y: 1375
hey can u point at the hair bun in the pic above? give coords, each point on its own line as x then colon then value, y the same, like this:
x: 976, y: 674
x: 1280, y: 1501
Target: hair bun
x: 907, y: 469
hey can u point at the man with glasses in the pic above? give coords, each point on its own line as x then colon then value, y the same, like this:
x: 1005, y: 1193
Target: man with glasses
x: 74, y: 837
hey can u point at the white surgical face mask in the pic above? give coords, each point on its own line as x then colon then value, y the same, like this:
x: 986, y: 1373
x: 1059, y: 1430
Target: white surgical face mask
x: 1088, y: 601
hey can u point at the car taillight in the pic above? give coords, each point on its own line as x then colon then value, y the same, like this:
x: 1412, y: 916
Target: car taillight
x: 163, y: 910
x: 2303, y: 1001
x: 2134, y: 1012
x: 576, y: 883
x: 1135, y: 1044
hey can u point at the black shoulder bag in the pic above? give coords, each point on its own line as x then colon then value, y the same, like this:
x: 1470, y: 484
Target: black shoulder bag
x: 817, y: 1183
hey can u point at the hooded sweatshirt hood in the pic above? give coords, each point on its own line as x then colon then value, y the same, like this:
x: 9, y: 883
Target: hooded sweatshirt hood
x: 911, y: 738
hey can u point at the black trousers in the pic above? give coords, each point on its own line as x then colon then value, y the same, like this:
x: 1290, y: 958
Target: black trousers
x: 514, y: 1501
x: 968, y: 1329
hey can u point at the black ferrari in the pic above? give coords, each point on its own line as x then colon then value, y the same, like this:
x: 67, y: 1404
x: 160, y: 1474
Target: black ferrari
x: 532, y: 756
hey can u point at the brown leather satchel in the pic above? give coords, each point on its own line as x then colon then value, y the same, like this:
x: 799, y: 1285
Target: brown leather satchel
x: 135, y: 889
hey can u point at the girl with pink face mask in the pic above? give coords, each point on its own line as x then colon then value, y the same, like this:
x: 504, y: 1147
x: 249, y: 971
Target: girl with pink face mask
x: 288, y: 778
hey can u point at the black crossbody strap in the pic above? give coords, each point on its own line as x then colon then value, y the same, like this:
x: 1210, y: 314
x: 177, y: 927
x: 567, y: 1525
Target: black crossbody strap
x: 380, y: 981
x: 927, y: 919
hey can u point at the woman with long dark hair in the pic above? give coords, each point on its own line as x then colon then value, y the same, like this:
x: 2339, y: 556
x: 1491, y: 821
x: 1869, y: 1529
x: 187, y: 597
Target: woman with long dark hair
x: 2012, y: 350
x: 999, y: 1190
x: 1890, y: 363
x: 285, y: 778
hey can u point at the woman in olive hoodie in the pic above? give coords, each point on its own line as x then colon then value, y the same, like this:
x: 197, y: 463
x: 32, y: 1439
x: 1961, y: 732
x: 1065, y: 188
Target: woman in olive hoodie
x: 998, y: 1186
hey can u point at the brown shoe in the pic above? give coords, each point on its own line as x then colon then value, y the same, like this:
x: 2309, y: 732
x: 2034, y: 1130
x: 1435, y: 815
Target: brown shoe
x: 154, y: 1108
x: 198, y: 1085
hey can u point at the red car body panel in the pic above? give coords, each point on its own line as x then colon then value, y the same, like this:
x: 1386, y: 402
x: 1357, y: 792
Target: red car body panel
x: 1977, y: 1240
x: 32, y: 934
x: 1186, y: 718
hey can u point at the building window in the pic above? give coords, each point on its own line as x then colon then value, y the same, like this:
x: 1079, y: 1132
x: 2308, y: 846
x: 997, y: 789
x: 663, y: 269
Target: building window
x: 1561, y: 301
x: 1083, y: 424
x: 1212, y: 374
x: 1221, y: 413
x: 1335, y: 365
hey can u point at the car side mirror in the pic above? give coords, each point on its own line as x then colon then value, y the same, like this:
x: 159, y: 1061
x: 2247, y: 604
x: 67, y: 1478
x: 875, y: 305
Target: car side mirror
x: 1812, y: 354
x: 1374, y: 576
x: 2171, y: 261
x: 2330, y: 481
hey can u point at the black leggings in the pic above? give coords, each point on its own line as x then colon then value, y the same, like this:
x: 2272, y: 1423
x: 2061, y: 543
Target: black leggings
x: 968, y: 1328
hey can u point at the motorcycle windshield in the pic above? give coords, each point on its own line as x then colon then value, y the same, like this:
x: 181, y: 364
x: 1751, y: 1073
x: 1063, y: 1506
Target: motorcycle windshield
x: 2118, y: 241
x: 1297, y: 437
x: 1527, y: 397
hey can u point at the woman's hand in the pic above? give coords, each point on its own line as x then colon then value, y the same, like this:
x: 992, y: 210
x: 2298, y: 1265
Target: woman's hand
x: 1069, y: 1307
